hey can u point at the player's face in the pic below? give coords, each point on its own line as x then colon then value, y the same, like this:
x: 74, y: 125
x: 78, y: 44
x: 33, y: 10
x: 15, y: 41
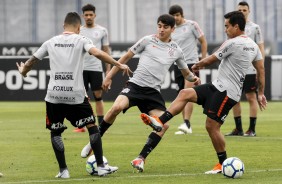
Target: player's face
x: 164, y: 32
x: 178, y: 18
x: 231, y: 31
x: 245, y: 10
x: 89, y: 17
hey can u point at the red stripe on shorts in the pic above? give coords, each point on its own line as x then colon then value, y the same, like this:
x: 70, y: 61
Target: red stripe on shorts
x: 221, y: 106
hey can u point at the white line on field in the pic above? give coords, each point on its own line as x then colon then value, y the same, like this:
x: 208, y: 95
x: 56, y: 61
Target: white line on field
x: 126, y: 177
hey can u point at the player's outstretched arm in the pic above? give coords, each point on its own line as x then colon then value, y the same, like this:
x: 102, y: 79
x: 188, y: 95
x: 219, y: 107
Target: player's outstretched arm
x: 103, y: 56
x: 259, y: 66
x: 204, y: 62
x: 108, y: 79
x: 25, y: 67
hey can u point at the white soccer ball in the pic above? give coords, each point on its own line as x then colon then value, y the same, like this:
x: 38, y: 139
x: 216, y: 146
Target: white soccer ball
x: 233, y: 167
x: 91, y: 165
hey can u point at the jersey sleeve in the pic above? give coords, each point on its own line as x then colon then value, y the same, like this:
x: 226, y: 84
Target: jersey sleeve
x: 105, y: 38
x: 180, y: 62
x: 140, y: 45
x: 87, y: 43
x: 42, y: 51
x: 225, y: 49
x: 258, y: 36
x: 197, y: 30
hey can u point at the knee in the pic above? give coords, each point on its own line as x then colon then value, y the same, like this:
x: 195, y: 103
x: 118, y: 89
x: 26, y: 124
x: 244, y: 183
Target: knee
x: 185, y: 94
x: 252, y: 98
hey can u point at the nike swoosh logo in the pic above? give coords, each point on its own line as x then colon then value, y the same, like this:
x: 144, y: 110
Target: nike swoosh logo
x: 107, y: 170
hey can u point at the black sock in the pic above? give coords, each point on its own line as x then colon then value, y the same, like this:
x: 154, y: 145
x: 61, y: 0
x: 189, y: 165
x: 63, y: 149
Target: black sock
x: 59, y: 149
x: 187, y: 122
x: 221, y: 156
x: 253, y: 121
x: 103, y: 127
x: 152, y: 141
x: 238, y: 123
x: 96, y: 144
x: 165, y: 117
x: 100, y: 119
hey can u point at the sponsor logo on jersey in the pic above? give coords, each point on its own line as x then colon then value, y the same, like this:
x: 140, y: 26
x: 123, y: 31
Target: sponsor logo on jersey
x: 63, y: 77
x: 227, y: 48
x: 248, y: 49
x: 64, y: 45
x: 63, y: 88
x: 62, y: 98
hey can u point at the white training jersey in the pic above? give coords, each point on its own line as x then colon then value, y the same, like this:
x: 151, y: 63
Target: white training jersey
x: 66, y: 53
x: 99, y: 37
x: 253, y: 31
x: 156, y: 57
x: 236, y: 55
x: 186, y: 36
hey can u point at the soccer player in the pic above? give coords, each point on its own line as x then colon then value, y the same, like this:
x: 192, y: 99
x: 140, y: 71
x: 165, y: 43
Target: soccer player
x: 187, y: 33
x: 253, y: 31
x: 157, y: 53
x: 66, y: 95
x: 217, y: 98
x: 93, y: 69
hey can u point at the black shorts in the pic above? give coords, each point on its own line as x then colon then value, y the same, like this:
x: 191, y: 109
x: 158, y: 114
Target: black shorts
x: 145, y: 98
x: 93, y: 78
x: 179, y: 79
x: 79, y: 115
x: 250, y: 83
x: 216, y: 104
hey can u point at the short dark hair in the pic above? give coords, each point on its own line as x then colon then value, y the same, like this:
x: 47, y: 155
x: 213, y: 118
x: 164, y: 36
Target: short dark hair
x: 244, y: 3
x: 175, y: 9
x: 236, y: 17
x: 167, y: 20
x: 72, y: 18
x: 88, y: 7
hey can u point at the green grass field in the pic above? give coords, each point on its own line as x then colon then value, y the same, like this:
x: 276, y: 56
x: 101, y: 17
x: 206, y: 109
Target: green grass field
x: 26, y: 155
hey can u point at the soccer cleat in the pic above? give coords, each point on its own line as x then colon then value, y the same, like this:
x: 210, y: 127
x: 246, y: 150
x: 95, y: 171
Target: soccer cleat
x: 1, y: 175
x: 138, y: 163
x: 235, y: 132
x: 183, y: 127
x: 215, y: 170
x: 79, y: 130
x: 64, y: 174
x: 86, y: 150
x: 250, y: 133
x: 103, y: 171
x: 152, y: 121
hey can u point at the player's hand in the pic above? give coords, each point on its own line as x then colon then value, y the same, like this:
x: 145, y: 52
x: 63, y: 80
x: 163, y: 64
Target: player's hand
x: 125, y: 68
x: 20, y: 68
x: 197, y: 81
x: 262, y: 102
x: 196, y: 68
x: 106, y: 85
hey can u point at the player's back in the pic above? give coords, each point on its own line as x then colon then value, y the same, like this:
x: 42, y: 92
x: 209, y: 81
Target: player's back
x: 66, y: 53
